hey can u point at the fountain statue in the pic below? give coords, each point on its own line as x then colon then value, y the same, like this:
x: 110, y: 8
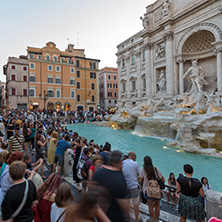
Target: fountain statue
x: 196, y: 78
x: 161, y: 82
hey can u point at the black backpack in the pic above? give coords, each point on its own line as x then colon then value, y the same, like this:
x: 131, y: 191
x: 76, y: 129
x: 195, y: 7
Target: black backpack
x: 82, y: 171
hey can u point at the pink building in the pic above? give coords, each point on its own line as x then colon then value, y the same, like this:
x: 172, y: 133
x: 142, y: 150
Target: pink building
x: 108, y: 87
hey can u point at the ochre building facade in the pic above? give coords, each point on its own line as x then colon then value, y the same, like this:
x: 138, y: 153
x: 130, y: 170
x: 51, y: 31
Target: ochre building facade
x: 62, y: 79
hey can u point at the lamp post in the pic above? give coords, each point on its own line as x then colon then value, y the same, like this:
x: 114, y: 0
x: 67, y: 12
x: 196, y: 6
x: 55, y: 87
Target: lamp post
x: 44, y: 98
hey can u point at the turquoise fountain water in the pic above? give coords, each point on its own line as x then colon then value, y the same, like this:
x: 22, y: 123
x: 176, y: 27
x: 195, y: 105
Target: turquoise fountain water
x: 167, y: 159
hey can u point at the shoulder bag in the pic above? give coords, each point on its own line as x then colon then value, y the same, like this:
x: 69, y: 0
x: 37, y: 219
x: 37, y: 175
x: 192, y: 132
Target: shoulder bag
x: 16, y: 213
x: 160, y: 181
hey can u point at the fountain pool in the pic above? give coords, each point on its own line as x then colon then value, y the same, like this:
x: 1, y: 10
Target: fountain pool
x: 167, y: 159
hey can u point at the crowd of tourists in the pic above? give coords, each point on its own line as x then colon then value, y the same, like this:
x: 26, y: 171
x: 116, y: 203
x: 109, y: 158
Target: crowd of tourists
x: 108, y: 181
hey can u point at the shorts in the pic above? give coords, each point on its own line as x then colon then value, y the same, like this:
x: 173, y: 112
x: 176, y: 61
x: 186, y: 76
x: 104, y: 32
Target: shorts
x: 39, y: 156
x: 134, y: 195
x: 150, y: 198
x: 27, y: 139
x: 58, y: 159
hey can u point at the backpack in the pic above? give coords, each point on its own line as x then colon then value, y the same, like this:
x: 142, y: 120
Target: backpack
x: 153, y: 189
x: 82, y: 172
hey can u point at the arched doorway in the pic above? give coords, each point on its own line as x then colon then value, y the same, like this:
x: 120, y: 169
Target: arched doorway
x: 58, y: 106
x: 67, y: 107
x: 50, y: 105
x: 80, y: 108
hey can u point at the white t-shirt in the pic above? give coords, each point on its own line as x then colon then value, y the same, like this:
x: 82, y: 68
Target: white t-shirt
x: 205, y: 188
x: 56, y: 212
x: 131, y: 172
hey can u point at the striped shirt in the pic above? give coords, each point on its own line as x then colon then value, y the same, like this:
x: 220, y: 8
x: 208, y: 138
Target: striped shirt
x: 17, y: 143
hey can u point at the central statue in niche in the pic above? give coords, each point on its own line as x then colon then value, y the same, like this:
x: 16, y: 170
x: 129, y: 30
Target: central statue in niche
x: 196, y: 78
x: 161, y: 82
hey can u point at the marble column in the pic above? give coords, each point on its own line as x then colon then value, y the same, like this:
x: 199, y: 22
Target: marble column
x: 148, y: 69
x: 119, y: 83
x: 128, y: 87
x: 181, y: 72
x: 219, y: 69
x: 169, y: 62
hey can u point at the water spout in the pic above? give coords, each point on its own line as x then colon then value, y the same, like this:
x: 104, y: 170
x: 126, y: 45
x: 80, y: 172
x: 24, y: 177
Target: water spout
x: 177, y: 136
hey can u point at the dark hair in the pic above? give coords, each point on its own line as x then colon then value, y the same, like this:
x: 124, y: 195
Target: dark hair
x: 115, y: 157
x: 147, y: 161
x: 86, y: 151
x: 188, y: 169
x: 38, y: 136
x: 174, y: 180
x: 107, y: 147
x: 26, y: 157
x: 66, y: 137
x: 150, y: 173
x: 4, y: 145
x: 202, y: 179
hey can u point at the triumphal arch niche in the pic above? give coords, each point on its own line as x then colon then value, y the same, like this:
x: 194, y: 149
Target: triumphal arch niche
x: 201, y: 43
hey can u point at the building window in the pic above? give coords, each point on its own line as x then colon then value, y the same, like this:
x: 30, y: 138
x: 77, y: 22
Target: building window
x: 101, y: 86
x: 109, y: 85
x: 58, y: 69
x: 114, y: 77
x: 13, y: 67
x: 72, y: 82
x: 25, y: 92
x: 32, y: 79
x: 47, y: 57
x: 13, y: 77
x: 92, y: 75
x: 25, y: 68
x: 72, y: 70
x: 115, y: 94
x: 78, y: 73
x: 49, y: 67
x: 92, y: 65
x: 115, y: 101
x: 31, y: 56
x: 32, y: 65
x: 133, y: 59
x: 58, y: 93
x: 124, y: 86
x: 31, y: 92
x: 39, y: 57
x: 77, y: 63
x: 123, y: 63
x: 132, y: 41
x: 144, y: 83
x: 50, y: 79
x: 24, y: 78
x: 55, y: 58
x: 78, y: 98
x: 109, y: 77
x: 93, y: 86
x: 58, y: 80
x: 50, y: 93
x: 93, y: 98
x: 62, y: 59
x: 133, y: 85
x: 109, y: 94
x: 13, y: 90
x: 72, y: 94
x: 109, y: 101
x: 78, y: 85
x: 115, y: 85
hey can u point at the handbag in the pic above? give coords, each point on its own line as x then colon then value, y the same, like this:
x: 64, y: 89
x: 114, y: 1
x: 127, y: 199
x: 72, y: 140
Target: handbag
x: 160, y: 181
x: 16, y: 213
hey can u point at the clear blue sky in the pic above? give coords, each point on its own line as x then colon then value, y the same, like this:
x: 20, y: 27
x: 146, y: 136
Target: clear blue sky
x: 102, y: 25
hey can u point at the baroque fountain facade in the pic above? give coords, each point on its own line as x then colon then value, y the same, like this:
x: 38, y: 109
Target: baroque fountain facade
x: 170, y: 75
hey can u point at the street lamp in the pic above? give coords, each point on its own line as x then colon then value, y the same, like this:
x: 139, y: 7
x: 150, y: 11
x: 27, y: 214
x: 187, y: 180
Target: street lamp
x: 44, y: 98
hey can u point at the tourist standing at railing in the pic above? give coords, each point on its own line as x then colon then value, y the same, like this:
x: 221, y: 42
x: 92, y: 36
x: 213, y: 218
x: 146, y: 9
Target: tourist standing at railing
x: 131, y: 173
x: 170, y: 191
x: 149, y: 172
x: 190, y: 205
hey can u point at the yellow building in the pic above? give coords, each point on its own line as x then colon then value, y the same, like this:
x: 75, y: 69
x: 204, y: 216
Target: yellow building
x: 62, y: 79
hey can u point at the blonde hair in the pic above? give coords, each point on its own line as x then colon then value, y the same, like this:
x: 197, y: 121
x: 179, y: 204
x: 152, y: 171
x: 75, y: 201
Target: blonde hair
x: 3, y: 156
x: 55, y: 135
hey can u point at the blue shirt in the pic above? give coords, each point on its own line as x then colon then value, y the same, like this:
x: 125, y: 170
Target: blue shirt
x: 62, y: 146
